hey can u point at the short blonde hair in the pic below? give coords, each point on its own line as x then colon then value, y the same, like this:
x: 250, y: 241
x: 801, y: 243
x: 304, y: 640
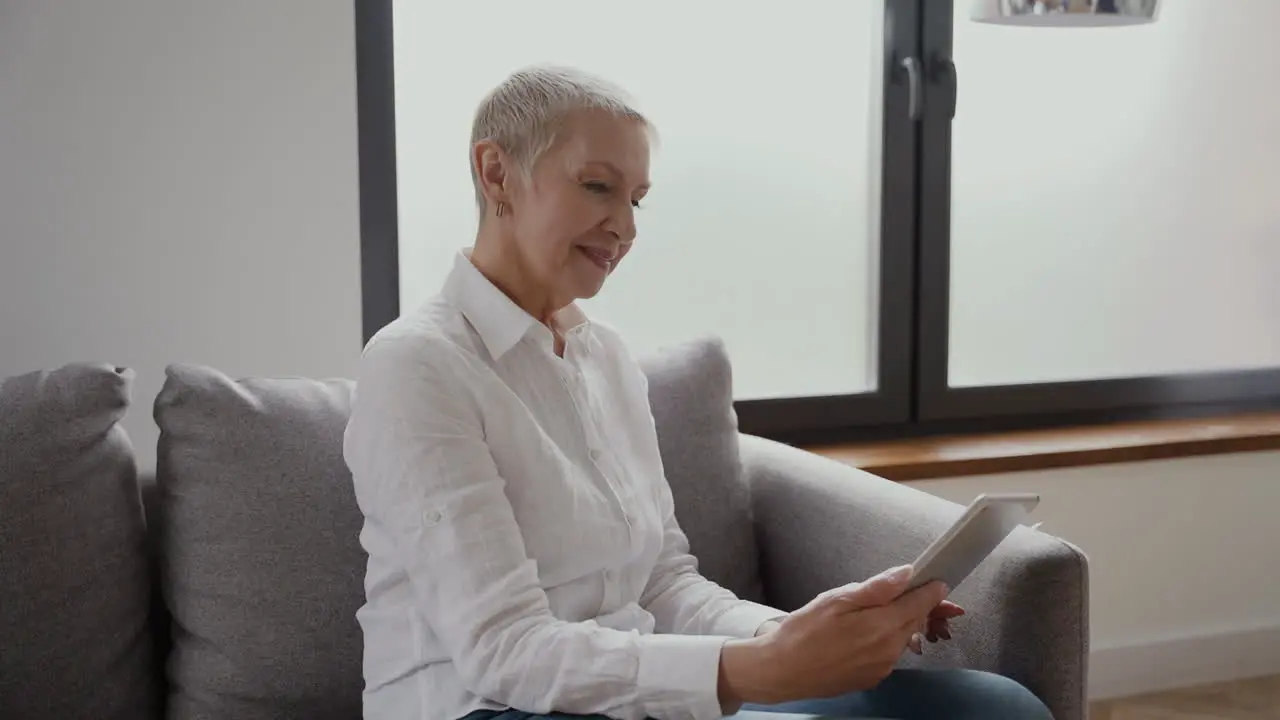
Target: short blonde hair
x: 522, y: 114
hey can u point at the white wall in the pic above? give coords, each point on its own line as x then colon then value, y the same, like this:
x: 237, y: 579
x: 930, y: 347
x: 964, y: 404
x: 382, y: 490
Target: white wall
x: 178, y: 182
x: 1185, y: 585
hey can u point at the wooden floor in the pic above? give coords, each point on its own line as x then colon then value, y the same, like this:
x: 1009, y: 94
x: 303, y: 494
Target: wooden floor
x: 1241, y: 700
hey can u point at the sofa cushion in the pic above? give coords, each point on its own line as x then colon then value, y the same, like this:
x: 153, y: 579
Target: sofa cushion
x: 74, y: 636
x: 262, y: 567
x: 691, y: 394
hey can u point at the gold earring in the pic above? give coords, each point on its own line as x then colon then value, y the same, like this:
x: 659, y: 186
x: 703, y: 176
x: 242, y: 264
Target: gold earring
x: 501, y: 208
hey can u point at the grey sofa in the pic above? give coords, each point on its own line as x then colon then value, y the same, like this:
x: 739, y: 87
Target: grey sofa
x: 227, y: 586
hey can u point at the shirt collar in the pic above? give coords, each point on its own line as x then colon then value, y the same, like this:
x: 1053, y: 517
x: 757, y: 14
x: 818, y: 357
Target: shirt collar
x: 499, y: 321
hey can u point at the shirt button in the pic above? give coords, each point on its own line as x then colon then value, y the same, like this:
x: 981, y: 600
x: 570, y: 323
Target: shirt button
x: 594, y: 454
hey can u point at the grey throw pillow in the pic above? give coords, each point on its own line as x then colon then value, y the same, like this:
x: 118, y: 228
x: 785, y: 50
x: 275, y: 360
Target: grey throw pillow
x: 74, y: 636
x: 691, y: 395
x: 263, y: 570
x: 262, y: 566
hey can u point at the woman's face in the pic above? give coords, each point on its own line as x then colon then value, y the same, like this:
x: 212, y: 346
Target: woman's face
x: 574, y: 219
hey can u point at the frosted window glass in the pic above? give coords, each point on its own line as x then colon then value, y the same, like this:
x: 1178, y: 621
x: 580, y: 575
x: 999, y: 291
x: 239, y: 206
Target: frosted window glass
x: 1114, y: 208
x: 762, y: 226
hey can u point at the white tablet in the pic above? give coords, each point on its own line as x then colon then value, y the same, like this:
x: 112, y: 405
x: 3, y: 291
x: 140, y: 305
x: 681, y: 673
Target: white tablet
x: 962, y: 548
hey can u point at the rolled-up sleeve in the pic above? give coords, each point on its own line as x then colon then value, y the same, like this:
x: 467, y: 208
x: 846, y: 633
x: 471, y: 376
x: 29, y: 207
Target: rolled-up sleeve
x: 416, y: 447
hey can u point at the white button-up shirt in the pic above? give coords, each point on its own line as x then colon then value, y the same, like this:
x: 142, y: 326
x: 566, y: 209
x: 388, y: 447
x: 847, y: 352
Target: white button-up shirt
x: 522, y: 540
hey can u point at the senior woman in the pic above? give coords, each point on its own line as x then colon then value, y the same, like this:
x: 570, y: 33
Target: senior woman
x: 524, y: 554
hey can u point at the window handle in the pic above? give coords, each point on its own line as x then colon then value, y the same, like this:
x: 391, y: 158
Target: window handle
x: 915, y: 91
x: 943, y: 71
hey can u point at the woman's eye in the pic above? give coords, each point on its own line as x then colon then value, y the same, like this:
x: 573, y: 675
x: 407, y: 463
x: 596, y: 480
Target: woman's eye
x: 596, y: 187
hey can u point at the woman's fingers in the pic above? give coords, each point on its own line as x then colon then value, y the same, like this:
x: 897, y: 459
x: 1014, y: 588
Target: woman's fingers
x: 935, y: 626
x: 946, y: 609
x: 939, y: 628
x: 916, y: 644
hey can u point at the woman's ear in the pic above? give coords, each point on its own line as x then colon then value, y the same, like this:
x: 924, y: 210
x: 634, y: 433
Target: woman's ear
x: 491, y: 168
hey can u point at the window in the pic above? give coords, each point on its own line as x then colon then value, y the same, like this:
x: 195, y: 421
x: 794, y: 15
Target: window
x: 1095, y: 223
x: 1083, y: 229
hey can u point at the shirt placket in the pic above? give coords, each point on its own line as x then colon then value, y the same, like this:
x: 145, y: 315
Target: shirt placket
x: 601, y: 457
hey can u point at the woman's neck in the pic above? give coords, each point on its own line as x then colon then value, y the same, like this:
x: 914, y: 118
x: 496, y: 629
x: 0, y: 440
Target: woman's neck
x: 497, y: 259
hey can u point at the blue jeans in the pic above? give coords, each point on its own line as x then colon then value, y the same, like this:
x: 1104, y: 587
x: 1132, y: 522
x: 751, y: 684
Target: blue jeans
x: 923, y: 695
x: 904, y: 695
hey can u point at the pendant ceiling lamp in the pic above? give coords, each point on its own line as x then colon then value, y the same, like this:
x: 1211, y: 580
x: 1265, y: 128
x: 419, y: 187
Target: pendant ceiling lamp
x: 1066, y: 13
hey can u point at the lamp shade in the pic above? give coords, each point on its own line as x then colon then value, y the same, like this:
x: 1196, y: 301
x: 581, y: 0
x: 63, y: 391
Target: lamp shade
x: 1065, y: 13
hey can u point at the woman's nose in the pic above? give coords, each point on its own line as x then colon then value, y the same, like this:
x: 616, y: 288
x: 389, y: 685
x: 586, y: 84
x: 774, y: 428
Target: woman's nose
x: 622, y: 224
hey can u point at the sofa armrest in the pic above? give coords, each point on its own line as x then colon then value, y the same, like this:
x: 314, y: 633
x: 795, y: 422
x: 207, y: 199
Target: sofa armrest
x: 821, y: 524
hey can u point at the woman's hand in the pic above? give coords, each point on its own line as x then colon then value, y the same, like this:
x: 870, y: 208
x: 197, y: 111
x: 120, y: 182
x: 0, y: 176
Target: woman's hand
x: 768, y: 627
x: 937, y: 627
x: 846, y: 639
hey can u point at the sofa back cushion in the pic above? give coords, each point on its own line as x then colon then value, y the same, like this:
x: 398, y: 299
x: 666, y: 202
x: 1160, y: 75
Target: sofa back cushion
x: 261, y: 564
x: 691, y: 395
x: 74, y: 636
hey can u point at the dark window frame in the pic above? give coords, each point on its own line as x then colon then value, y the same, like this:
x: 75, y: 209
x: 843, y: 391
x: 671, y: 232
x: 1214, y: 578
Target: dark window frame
x: 376, y: 131
x: 912, y: 396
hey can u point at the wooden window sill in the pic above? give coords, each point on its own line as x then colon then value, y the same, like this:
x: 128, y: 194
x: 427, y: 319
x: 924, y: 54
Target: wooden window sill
x: 951, y: 456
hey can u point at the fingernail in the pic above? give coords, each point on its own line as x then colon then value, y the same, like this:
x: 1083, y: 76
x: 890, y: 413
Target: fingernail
x: 902, y: 572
